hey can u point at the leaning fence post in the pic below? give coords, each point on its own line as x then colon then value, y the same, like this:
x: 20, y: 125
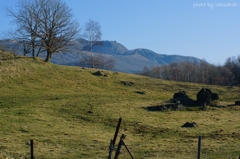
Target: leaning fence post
x: 31, y: 149
x: 199, y: 146
x: 116, y: 132
x: 127, y: 149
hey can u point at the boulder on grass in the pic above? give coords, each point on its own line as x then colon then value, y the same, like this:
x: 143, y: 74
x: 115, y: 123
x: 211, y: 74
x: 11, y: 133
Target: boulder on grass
x: 205, y: 97
x: 180, y: 94
x: 98, y: 73
x: 237, y: 102
x: 189, y: 125
x: 140, y: 92
x: 182, y: 97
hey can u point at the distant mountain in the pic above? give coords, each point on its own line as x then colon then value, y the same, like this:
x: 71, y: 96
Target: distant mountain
x: 110, y: 47
x: 130, y: 61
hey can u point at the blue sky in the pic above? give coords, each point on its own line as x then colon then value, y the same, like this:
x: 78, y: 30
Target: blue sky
x: 206, y: 29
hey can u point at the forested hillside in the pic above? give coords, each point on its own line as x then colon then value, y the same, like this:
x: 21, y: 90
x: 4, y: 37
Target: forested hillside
x: 205, y: 73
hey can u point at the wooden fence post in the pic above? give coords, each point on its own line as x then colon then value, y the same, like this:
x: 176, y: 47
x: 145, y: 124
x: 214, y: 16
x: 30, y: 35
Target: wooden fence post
x: 119, y: 146
x: 112, y: 142
x: 31, y: 149
x: 110, y: 149
x: 199, y: 146
x: 116, y: 132
x: 127, y: 149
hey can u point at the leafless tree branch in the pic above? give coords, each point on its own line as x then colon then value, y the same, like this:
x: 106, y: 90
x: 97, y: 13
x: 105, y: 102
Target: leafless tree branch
x: 45, y: 25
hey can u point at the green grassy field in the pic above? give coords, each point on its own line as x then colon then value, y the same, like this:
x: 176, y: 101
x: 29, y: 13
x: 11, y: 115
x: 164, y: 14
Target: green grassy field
x: 71, y: 113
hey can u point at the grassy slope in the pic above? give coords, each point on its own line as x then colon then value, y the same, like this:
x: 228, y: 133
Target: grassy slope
x: 70, y: 113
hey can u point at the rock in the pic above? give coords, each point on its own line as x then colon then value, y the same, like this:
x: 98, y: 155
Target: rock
x: 189, y: 125
x: 127, y: 83
x: 182, y: 97
x: 175, y: 106
x: 214, y: 96
x: 98, y: 73
x: 166, y: 106
x: 139, y: 92
x: 157, y: 108
x: 205, y: 97
x: 180, y: 94
x: 237, y: 102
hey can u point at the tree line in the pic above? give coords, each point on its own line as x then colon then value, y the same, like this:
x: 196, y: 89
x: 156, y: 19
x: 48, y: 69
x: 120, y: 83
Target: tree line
x: 47, y: 26
x: 227, y: 74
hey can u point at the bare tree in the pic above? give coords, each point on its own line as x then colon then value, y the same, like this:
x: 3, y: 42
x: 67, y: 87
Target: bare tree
x: 44, y: 24
x: 99, y: 61
x: 156, y: 72
x: 92, y: 34
x: 146, y: 71
x: 26, y: 25
x: 233, y: 64
x: 203, y: 72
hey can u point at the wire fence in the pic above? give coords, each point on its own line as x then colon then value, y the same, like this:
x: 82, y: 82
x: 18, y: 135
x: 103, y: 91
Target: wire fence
x: 188, y: 151
x: 209, y: 149
x: 98, y: 151
x: 187, y: 148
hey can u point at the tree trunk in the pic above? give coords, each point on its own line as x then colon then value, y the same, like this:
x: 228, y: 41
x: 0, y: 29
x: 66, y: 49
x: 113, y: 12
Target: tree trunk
x: 91, y: 54
x: 48, y: 56
x: 33, y: 51
x: 92, y: 60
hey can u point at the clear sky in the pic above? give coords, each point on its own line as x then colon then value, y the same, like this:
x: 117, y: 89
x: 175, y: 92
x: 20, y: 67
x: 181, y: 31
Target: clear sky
x: 206, y: 29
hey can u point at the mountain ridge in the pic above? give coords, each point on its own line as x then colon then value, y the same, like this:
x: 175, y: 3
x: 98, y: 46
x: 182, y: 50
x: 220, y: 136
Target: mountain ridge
x: 140, y: 57
x: 129, y: 61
